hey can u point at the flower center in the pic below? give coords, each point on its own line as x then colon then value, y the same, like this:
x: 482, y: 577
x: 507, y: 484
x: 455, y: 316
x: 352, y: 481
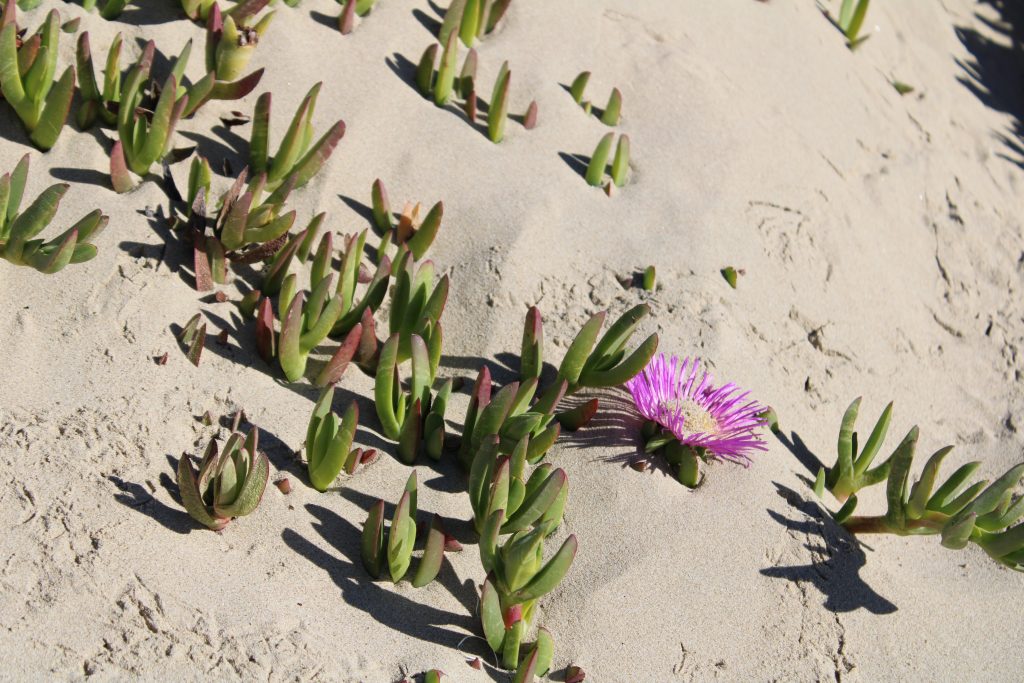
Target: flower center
x: 696, y: 418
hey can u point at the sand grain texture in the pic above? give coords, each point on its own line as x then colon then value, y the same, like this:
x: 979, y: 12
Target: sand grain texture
x: 881, y: 239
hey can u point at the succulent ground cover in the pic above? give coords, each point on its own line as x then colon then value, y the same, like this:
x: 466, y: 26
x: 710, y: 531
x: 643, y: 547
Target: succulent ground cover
x: 321, y: 293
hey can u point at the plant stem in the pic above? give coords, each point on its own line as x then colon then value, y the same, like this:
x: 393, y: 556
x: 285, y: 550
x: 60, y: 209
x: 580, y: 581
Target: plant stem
x: 931, y: 523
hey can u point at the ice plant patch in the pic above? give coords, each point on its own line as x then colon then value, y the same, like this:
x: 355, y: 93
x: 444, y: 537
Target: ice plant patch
x: 960, y: 512
x: 690, y: 419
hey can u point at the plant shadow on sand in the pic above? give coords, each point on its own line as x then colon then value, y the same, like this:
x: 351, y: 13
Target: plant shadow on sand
x: 836, y: 558
x: 405, y: 69
x: 385, y: 604
x: 138, y: 498
x: 616, y: 425
x: 992, y: 72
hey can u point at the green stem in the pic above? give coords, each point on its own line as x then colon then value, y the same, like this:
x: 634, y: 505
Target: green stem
x: 931, y: 523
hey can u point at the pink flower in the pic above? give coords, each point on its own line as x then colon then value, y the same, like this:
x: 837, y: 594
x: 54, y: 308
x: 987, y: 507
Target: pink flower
x: 681, y: 397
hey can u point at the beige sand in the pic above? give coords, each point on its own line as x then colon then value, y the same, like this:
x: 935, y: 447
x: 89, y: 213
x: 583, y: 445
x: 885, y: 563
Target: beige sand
x: 881, y: 240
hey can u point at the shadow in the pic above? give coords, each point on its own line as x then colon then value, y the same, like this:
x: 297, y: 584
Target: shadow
x: 428, y: 22
x: 227, y: 146
x: 836, y: 558
x: 137, y: 498
x: 85, y: 176
x: 577, y: 162
x: 363, y: 211
x: 390, y: 608
x: 403, y: 68
x: 501, y: 368
x: 799, y: 449
x: 171, y: 251
x: 328, y: 20
x: 406, y: 71
x: 615, y: 425
x: 150, y: 13
x: 12, y: 130
x: 993, y: 71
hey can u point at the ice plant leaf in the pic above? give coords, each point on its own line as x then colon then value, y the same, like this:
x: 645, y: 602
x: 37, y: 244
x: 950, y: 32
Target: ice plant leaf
x: 490, y: 615
x: 498, y: 110
x: 530, y: 117
x: 446, y: 72
x: 874, y: 442
x: 730, y: 274
x: 599, y: 161
x: 381, y: 207
x: 336, y: 366
x: 425, y: 71
x: 452, y: 20
x: 532, y: 350
x: 424, y: 236
x: 952, y: 486
x: 922, y: 489
x: 399, y: 541
x: 576, y: 357
x: 579, y: 86
x: 624, y: 371
x: 846, y: 511
x: 528, y: 668
x: 578, y: 417
x: 433, y: 555
x: 613, y: 110
x: 537, y: 504
x: 620, y: 164
x: 551, y: 574
x: 373, y: 540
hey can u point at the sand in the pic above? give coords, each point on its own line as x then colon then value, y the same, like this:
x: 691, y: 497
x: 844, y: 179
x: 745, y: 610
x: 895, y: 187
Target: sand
x: 881, y: 243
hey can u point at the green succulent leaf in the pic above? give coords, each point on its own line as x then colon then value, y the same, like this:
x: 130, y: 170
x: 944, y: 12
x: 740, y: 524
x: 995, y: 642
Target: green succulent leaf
x: 373, y: 540
x: 433, y: 555
x: 551, y: 574
x: 490, y: 615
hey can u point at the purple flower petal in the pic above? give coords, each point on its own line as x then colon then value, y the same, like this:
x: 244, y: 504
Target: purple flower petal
x: 680, y: 396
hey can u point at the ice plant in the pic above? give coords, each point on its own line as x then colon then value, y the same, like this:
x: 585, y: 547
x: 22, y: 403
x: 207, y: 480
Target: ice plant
x: 472, y: 19
x: 500, y: 482
x: 604, y: 363
x: 498, y: 111
x: 986, y: 514
x: 193, y: 338
x: 598, y: 164
x: 298, y: 158
x: 579, y: 87
x: 517, y: 577
x: 393, y: 550
x: 110, y: 9
x: 26, y: 78
x: 620, y: 164
x: 97, y: 103
x: 690, y: 419
x: 17, y: 230
x: 228, y: 484
x: 417, y: 234
x: 349, y: 10
x: 230, y: 43
x: 353, y: 311
x: 510, y: 416
x: 613, y: 110
x: 415, y: 419
x: 246, y: 217
x: 144, y: 140
x: 536, y: 659
x: 850, y: 20
x: 304, y: 323
x: 329, y: 441
x: 416, y: 304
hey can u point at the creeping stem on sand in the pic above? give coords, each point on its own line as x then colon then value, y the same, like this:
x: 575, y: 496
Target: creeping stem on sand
x: 983, y: 513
